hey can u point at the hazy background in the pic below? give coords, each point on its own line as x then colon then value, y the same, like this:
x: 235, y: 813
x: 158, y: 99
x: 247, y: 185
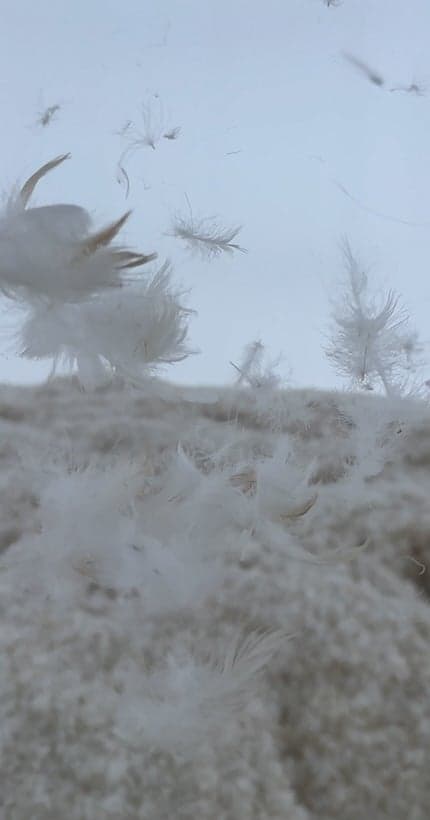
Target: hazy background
x: 266, y: 80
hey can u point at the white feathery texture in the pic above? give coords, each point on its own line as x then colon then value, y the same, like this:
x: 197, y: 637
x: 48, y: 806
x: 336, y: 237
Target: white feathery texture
x: 205, y: 236
x: 129, y: 331
x: 257, y: 371
x: 157, y: 549
x: 254, y: 371
x: 154, y: 128
x: 46, y: 252
x: 192, y: 696
x: 83, y: 303
x: 371, y: 344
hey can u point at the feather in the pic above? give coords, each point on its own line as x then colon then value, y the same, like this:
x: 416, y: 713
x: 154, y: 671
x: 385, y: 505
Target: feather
x: 192, y: 698
x: 371, y: 75
x: 129, y: 330
x: 206, y: 236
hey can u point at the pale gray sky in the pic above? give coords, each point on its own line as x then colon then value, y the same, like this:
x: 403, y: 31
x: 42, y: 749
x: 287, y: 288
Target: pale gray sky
x: 266, y: 80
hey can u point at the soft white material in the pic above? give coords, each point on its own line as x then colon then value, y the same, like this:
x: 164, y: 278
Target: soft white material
x: 75, y: 292
x: 157, y: 548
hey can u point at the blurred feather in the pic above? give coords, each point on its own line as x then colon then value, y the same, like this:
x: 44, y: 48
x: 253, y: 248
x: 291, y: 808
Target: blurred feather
x: 128, y: 331
x: 46, y: 116
x: 192, y: 698
x: 49, y: 252
x: 172, y: 134
x: 371, y: 342
x: 371, y: 75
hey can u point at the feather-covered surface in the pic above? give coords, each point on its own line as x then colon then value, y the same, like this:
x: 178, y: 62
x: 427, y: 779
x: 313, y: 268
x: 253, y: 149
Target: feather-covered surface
x: 207, y: 614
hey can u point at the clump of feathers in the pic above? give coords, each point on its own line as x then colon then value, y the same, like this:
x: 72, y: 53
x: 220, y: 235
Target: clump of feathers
x: 128, y: 332
x: 84, y: 299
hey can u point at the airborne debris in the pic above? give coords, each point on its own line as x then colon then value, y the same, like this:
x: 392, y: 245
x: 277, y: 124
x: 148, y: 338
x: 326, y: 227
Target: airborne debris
x: 371, y: 343
x: 123, y: 179
x: 380, y: 214
x: 154, y: 129
x: 206, y: 236
x: 173, y: 134
x: 48, y: 114
x: 253, y: 370
x: 122, y: 131
x: 371, y: 75
x: 418, y: 88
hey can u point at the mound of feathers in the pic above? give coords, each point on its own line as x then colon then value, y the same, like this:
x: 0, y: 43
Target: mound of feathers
x: 214, y: 604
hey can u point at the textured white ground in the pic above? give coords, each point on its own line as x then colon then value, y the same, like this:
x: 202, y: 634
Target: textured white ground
x: 127, y: 560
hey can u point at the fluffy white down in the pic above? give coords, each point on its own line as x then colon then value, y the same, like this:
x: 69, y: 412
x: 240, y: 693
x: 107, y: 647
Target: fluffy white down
x: 82, y: 301
x: 155, y: 556
x: 127, y: 330
x: 41, y: 254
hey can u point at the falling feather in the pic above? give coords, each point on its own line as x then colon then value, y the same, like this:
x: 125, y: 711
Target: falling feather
x: 52, y: 252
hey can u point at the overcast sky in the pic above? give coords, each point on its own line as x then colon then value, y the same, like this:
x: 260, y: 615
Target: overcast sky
x: 272, y: 118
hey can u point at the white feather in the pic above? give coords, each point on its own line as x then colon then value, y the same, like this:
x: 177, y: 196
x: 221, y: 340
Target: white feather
x: 128, y: 331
